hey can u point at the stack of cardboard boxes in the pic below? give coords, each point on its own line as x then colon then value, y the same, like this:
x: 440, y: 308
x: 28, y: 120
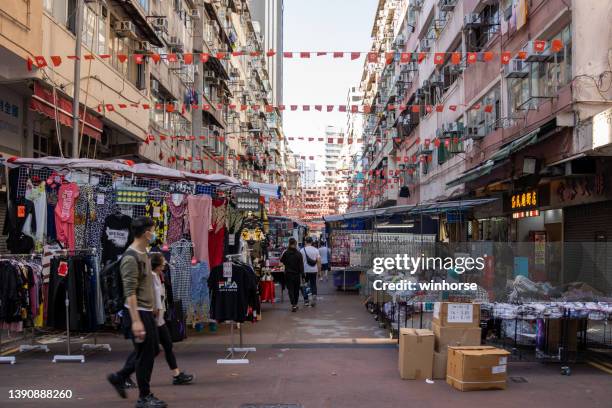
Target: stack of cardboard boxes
x: 452, y: 351
x: 453, y: 324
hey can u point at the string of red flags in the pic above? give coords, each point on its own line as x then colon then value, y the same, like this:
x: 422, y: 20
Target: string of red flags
x: 504, y: 57
x: 366, y: 109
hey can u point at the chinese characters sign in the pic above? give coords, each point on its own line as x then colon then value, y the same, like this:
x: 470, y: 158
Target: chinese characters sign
x: 528, y: 199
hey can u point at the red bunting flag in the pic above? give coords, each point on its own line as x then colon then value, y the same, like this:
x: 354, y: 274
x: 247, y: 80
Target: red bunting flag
x: 318, y: 107
x: 488, y: 108
x: 204, y: 57
x: 421, y: 57
x: 439, y: 108
x: 453, y: 107
x: 556, y: 45
x: 56, y: 60
x: 487, y: 56
x: 505, y: 57
x: 294, y: 107
x: 155, y: 57
x: 372, y: 57
x: 306, y: 108
x: 188, y: 59
x: 405, y: 57
x: 138, y: 58
x: 456, y: 58
x: 271, y: 53
x: 330, y: 108
x: 439, y: 58
x: 389, y: 57
x: 338, y: 54
x: 539, y: 45
x: 122, y: 58
x: 304, y: 55
x: 355, y: 55
x: 472, y: 57
x: 288, y: 54
x: 41, y: 62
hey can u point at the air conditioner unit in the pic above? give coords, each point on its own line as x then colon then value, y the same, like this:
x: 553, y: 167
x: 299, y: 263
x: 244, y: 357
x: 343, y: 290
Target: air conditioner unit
x: 419, y: 93
x: 516, y: 68
x: 453, y: 128
x: 142, y: 46
x: 533, y: 55
x: 176, y: 44
x: 154, y: 85
x: 437, y: 80
x: 472, y: 20
x: 475, y: 132
x: 208, y: 75
x: 416, y: 4
x: 425, y: 44
x: 400, y: 40
x: 160, y: 24
x: 447, y: 5
x: 194, y: 14
x: 125, y: 29
x: 411, y: 66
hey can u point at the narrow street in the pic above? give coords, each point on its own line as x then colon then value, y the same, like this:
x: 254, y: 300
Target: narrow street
x: 333, y: 355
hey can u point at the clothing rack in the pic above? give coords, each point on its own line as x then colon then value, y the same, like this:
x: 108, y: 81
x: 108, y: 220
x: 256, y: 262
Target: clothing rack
x: 231, y: 358
x: 31, y: 346
x: 68, y: 357
x: 6, y: 359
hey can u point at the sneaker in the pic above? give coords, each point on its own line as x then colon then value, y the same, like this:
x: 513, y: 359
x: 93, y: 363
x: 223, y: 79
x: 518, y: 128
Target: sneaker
x: 129, y: 383
x: 294, y: 309
x: 118, y: 384
x: 150, y: 402
x: 182, y: 378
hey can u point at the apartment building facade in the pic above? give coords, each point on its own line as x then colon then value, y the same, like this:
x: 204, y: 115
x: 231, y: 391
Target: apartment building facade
x: 138, y: 53
x: 524, y: 118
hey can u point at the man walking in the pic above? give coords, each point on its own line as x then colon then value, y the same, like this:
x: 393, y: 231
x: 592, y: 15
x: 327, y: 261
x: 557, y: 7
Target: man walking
x: 325, y: 255
x: 138, y: 319
x: 312, y: 268
x: 294, y: 272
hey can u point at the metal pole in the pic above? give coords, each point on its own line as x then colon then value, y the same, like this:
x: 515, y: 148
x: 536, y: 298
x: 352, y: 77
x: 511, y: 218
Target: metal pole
x: 77, y: 77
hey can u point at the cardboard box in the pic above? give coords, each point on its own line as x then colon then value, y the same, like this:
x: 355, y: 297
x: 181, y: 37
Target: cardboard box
x: 448, y: 314
x: 477, y: 368
x: 455, y: 336
x: 415, y: 354
x: 555, y: 332
x: 439, y: 365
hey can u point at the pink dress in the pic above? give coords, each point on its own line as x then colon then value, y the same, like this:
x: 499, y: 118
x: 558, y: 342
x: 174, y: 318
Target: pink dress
x: 200, y: 214
x: 64, y: 214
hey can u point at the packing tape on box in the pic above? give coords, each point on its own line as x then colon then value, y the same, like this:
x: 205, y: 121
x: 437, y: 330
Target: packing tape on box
x: 475, y: 382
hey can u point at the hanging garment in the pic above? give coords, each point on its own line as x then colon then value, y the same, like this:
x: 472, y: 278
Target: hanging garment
x: 64, y: 214
x: 198, y: 310
x: 200, y: 208
x: 104, y: 204
x: 17, y: 213
x: 180, y: 272
x: 116, y: 237
x: 37, y: 194
x: 84, y: 213
x: 51, y: 191
x: 231, y: 298
x: 157, y: 210
x: 178, y: 225
x: 216, y: 237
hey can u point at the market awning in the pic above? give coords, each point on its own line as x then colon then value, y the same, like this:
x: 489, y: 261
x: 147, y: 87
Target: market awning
x: 497, y: 158
x: 265, y: 189
x: 44, y: 102
x: 444, y: 206
x: 353, y: 215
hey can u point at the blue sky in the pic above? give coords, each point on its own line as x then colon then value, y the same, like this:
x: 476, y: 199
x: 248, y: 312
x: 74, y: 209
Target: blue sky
x: 322, y: 25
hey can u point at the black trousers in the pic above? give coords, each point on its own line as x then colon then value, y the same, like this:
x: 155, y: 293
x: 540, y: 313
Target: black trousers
x: 293, y: 287
x: 142, y: 358
x: 165, y: 339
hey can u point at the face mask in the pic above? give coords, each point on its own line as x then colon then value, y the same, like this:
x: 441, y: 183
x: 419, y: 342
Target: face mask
x: 153, y: 238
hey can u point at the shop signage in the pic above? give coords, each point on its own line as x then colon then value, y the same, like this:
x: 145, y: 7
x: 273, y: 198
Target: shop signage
x: 524, y: 200
x: 580, y: 190
x: 525, y: 214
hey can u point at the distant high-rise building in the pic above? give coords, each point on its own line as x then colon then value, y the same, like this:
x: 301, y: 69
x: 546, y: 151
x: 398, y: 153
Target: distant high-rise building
x: 269, y: 14
x: 332, y: 152
x: 308, y: 172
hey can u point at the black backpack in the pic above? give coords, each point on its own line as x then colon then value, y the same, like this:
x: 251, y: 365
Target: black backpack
x: 112, y: 286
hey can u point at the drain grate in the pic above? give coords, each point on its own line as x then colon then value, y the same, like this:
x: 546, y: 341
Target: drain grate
x: 271, y: 406
x: 518, y: 379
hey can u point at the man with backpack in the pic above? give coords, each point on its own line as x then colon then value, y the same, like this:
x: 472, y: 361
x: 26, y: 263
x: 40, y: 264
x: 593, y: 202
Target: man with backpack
x: 138, y: 318
x: 312, y: 268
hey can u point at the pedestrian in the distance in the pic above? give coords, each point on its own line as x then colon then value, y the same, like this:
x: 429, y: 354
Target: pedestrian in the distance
x: 325, y: 255
x: 294, y: 272
x: 312, y: 268
x: 138, y: 319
